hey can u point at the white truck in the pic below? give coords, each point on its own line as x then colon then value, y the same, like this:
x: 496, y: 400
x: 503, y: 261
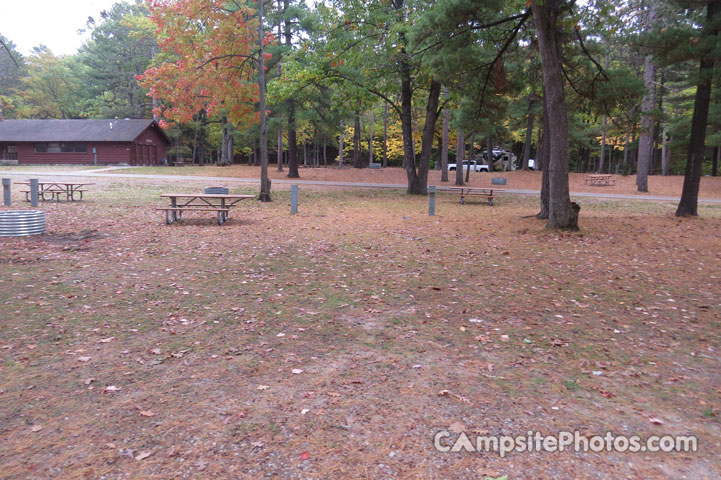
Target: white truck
x: 474, y: 165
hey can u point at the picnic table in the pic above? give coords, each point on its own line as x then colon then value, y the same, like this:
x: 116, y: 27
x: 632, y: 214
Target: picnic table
x: 68, y: 191
x: 200, y: 202
x: 488, y: 192
x: 600, y: 180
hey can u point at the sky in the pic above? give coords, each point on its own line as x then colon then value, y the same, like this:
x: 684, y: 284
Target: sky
x: 53, y: 23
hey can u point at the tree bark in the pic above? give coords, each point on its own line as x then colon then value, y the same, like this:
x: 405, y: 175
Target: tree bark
x: 358, y: 160
x: 195, y: 142
x: 697, y: 143
x: 292, y: 135
x: 460, y: 151
x: 489, y: 153
x: 280, y: 150
x: 715, y: 161
x: 226, y: 151
x: 444, y: 147
x: 602, y: 159
x: 340, y: 146
x: 562, y: 214
x: 292, y: 142
x: 604, y: 127
x: 665, y: 158
x: 264, y: 180
x: 645, y: 140
x: 420, y: 187
x: 370, y: 140
x: 529, y: 133
x: 470, y: 157
x: 385, y: 135
x: 543, y: 161
x: 409, y: 160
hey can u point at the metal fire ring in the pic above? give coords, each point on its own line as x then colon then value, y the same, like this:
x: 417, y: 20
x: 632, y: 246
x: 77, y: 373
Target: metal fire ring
x: 19, y: 223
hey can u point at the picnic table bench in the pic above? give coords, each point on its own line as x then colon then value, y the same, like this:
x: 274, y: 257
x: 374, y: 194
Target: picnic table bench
x: 488, y: 192
x: 600, y: 180
x: 48, y: 191
x: 200, y: 202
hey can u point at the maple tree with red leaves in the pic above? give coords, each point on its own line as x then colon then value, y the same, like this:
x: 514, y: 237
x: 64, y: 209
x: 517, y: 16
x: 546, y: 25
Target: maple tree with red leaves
x: 208, y: 60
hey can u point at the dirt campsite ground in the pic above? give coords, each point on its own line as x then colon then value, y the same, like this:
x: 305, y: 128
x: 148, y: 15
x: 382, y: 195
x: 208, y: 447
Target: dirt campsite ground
x: 337, y: 343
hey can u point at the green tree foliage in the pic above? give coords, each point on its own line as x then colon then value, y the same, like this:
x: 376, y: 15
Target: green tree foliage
x: 122, y: 45
x: 11, y: 68
x: 51, y: 88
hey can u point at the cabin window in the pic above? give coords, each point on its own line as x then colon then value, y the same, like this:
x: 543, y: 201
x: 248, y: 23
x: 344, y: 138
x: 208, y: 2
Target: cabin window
x: 9, y: 152
x: 55, y: 147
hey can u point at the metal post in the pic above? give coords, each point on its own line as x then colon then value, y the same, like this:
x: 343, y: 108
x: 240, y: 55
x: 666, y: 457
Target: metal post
x: 34, y: 192
x: 293, y: 199
x: 431, y: 200
x: 6, y: 192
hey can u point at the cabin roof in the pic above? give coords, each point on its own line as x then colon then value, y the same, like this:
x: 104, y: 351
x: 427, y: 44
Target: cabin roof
x: 84, y: 130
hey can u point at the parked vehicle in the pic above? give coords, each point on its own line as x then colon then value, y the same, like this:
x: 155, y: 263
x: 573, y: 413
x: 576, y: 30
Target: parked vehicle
x: 474, y: 165
x: 501, y: 159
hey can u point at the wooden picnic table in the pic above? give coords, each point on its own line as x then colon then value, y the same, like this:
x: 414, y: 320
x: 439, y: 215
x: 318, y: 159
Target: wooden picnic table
x: 600, y: 180
x: 69, y: 191
x: 200, y: 202
x: 488, y: 192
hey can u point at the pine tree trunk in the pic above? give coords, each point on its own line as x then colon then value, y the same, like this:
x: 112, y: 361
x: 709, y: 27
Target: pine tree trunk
x: 340, y: 146
x: 280, y: 150
x: 460, y: 150
x: 385, y: 135
x: 444, y: 147
x: 715, y: 161
x: 409, y: 156
x: 489, y: 153
x: 529, y: 134
x: 602, y: 160
x: 645, y: 140
x: 292, y: 142
x: 543, y: 161
x: 604, y: 127
x: 665, y: 158
x: 370, y: 141
x: 264, y: 180
x: 562, y: 214
x: 470, y: 157
x: 439, y: 149
x: 358, y: 161
x: 292, y: 135
x: 420, y: 187
x: 697, y: 143
x: 626, y: 147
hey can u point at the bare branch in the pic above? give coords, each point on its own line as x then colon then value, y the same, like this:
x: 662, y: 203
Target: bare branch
x: 503, y: 49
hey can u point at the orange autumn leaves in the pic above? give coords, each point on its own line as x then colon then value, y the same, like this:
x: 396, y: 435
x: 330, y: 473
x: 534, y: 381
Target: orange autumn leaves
x: 206, y: 62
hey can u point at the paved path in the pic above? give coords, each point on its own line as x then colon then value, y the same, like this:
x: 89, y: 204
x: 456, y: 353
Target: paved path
x: 106, y: 169
x: 289, y: 181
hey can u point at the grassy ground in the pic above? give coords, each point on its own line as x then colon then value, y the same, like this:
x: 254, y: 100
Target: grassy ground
x: 132, y: 349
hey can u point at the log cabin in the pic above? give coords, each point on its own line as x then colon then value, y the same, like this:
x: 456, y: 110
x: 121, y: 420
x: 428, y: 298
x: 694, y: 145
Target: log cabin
x: 83, y: 142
